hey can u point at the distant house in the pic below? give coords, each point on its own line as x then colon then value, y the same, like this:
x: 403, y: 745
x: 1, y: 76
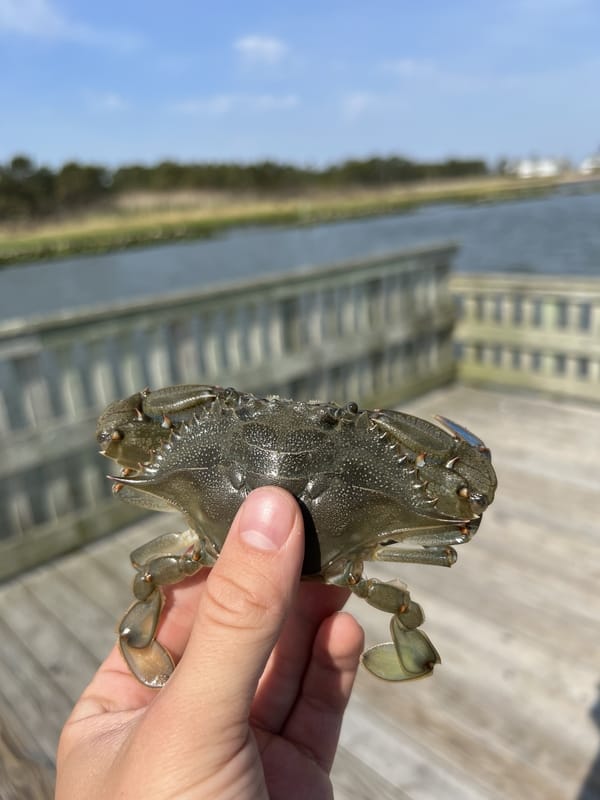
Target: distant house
x: 536, y: 167
x: 590, y: 165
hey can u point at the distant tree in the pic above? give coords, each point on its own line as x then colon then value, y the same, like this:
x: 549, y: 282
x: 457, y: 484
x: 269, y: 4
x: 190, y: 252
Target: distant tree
x: 21, y: 167
x: 25, y: 190
x: 41, y: 186
x: 458, y: 168
x: 80, y: 184
x: 30, y: 191
x: 167, y: 175
x: 130, y: 178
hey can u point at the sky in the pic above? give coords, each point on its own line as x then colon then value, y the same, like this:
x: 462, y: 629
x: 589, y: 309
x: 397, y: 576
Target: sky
x: 311, y: 83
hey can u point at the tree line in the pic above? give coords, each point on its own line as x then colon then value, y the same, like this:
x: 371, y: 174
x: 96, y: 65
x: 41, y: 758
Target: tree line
x: 30, y: 191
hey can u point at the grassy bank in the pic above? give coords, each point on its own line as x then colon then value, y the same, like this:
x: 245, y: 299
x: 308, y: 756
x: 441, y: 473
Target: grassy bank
x: 142, y: 219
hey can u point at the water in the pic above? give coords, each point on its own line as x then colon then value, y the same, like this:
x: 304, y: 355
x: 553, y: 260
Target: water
x: 558, y: 234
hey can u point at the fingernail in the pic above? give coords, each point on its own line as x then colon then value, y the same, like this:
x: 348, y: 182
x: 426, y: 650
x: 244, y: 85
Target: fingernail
x: 267, y: 519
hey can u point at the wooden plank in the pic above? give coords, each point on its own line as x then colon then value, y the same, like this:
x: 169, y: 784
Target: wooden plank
x: 102, y: 575
x: 28, y: 688
x: 490, y: 586
x: 24, y: 775
x: 390, y: 745
x: 45, y: 636
x: 355, y: 779
x: 446, y: 739
x: 482, y: 673
x: 99, y: 583
x: 87, y: 622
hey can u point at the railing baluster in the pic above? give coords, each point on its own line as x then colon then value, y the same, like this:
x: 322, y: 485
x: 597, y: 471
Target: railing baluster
x: 69, y: 377
x: 553, y: 324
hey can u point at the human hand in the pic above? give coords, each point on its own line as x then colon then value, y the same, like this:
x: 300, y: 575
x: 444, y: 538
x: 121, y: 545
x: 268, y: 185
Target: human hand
x: 254, y: 708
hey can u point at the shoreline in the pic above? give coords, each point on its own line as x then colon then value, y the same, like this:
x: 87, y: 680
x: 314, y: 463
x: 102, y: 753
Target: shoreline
x: 152, y: 219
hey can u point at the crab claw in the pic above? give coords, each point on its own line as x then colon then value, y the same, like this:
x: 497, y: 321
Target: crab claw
x: 460, y: 432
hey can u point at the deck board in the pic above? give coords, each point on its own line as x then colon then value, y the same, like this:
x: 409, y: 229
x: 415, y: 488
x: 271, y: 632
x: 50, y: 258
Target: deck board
x: 24, y: 776
x: 513, y: 710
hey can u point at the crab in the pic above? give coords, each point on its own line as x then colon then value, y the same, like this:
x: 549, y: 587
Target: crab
x: 376, y: 485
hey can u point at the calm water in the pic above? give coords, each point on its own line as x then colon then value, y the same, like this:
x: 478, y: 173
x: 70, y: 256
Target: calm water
x: 557, y: 235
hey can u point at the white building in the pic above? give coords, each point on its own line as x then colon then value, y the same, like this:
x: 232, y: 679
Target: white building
x: 537, y: 168
x: 590, y: 165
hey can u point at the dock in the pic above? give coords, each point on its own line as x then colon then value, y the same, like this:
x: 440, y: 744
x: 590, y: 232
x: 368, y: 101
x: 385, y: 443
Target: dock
x: 512, y: 712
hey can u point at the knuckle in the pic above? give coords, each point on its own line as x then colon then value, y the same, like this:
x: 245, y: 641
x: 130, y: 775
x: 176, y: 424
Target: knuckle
x: 231, y: 604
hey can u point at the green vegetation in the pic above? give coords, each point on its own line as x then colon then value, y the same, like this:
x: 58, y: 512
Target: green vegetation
x: 32, y: 192
x: 87, y: 208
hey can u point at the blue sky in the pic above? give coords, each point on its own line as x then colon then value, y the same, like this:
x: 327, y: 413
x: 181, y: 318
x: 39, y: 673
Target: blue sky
x: 308, y: 82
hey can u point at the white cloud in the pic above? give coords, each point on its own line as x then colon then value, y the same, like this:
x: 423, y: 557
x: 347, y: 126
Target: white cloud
x: 544, y: 7
x: 211, y: 106
x: 429, y: 76
x: 270, y: 102
x: 527, y: 23
x: 355, y: 104
x: 105, y: 102
x: 221, y: 104
x: 409, y: 67
x: 40, y: 19
x: 31, y: 17
x: 259, y: 49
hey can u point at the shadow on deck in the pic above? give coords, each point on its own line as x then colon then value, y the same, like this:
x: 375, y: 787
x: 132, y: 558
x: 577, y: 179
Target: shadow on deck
x: 511, y: 713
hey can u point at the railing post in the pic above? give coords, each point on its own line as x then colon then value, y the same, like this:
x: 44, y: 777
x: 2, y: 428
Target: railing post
x: 595, y: 319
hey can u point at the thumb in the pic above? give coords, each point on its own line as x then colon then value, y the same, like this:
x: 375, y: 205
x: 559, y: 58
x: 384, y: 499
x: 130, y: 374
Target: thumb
x: 247, y: 596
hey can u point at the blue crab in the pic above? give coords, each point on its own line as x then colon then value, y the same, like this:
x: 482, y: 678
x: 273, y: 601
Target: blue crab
x: 372, y: 485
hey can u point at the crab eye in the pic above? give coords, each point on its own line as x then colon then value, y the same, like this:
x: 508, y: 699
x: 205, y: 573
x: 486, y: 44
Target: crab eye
x: 479, y: 501
x: 106, y: 437
x: 485, y: 451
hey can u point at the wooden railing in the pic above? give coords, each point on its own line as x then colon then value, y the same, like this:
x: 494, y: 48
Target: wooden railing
x: 529, y: 332
x: 375, y: 331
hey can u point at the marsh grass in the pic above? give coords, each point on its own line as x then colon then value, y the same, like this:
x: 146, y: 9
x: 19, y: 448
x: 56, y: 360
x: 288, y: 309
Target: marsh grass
x: 137, y: 219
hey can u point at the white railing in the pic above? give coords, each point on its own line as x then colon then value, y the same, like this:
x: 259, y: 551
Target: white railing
x: 530, y: 332
x: 376, y: 331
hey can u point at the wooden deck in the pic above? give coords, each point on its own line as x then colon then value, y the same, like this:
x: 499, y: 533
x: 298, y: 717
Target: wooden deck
x: 513, y: 712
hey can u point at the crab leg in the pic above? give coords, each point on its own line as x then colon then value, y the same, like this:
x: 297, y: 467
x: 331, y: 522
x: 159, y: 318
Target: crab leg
x: 165, y: 560
x: 435, y: 538
x: 411, y: 654
x: 168, y: 544
x: 438, y: 556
